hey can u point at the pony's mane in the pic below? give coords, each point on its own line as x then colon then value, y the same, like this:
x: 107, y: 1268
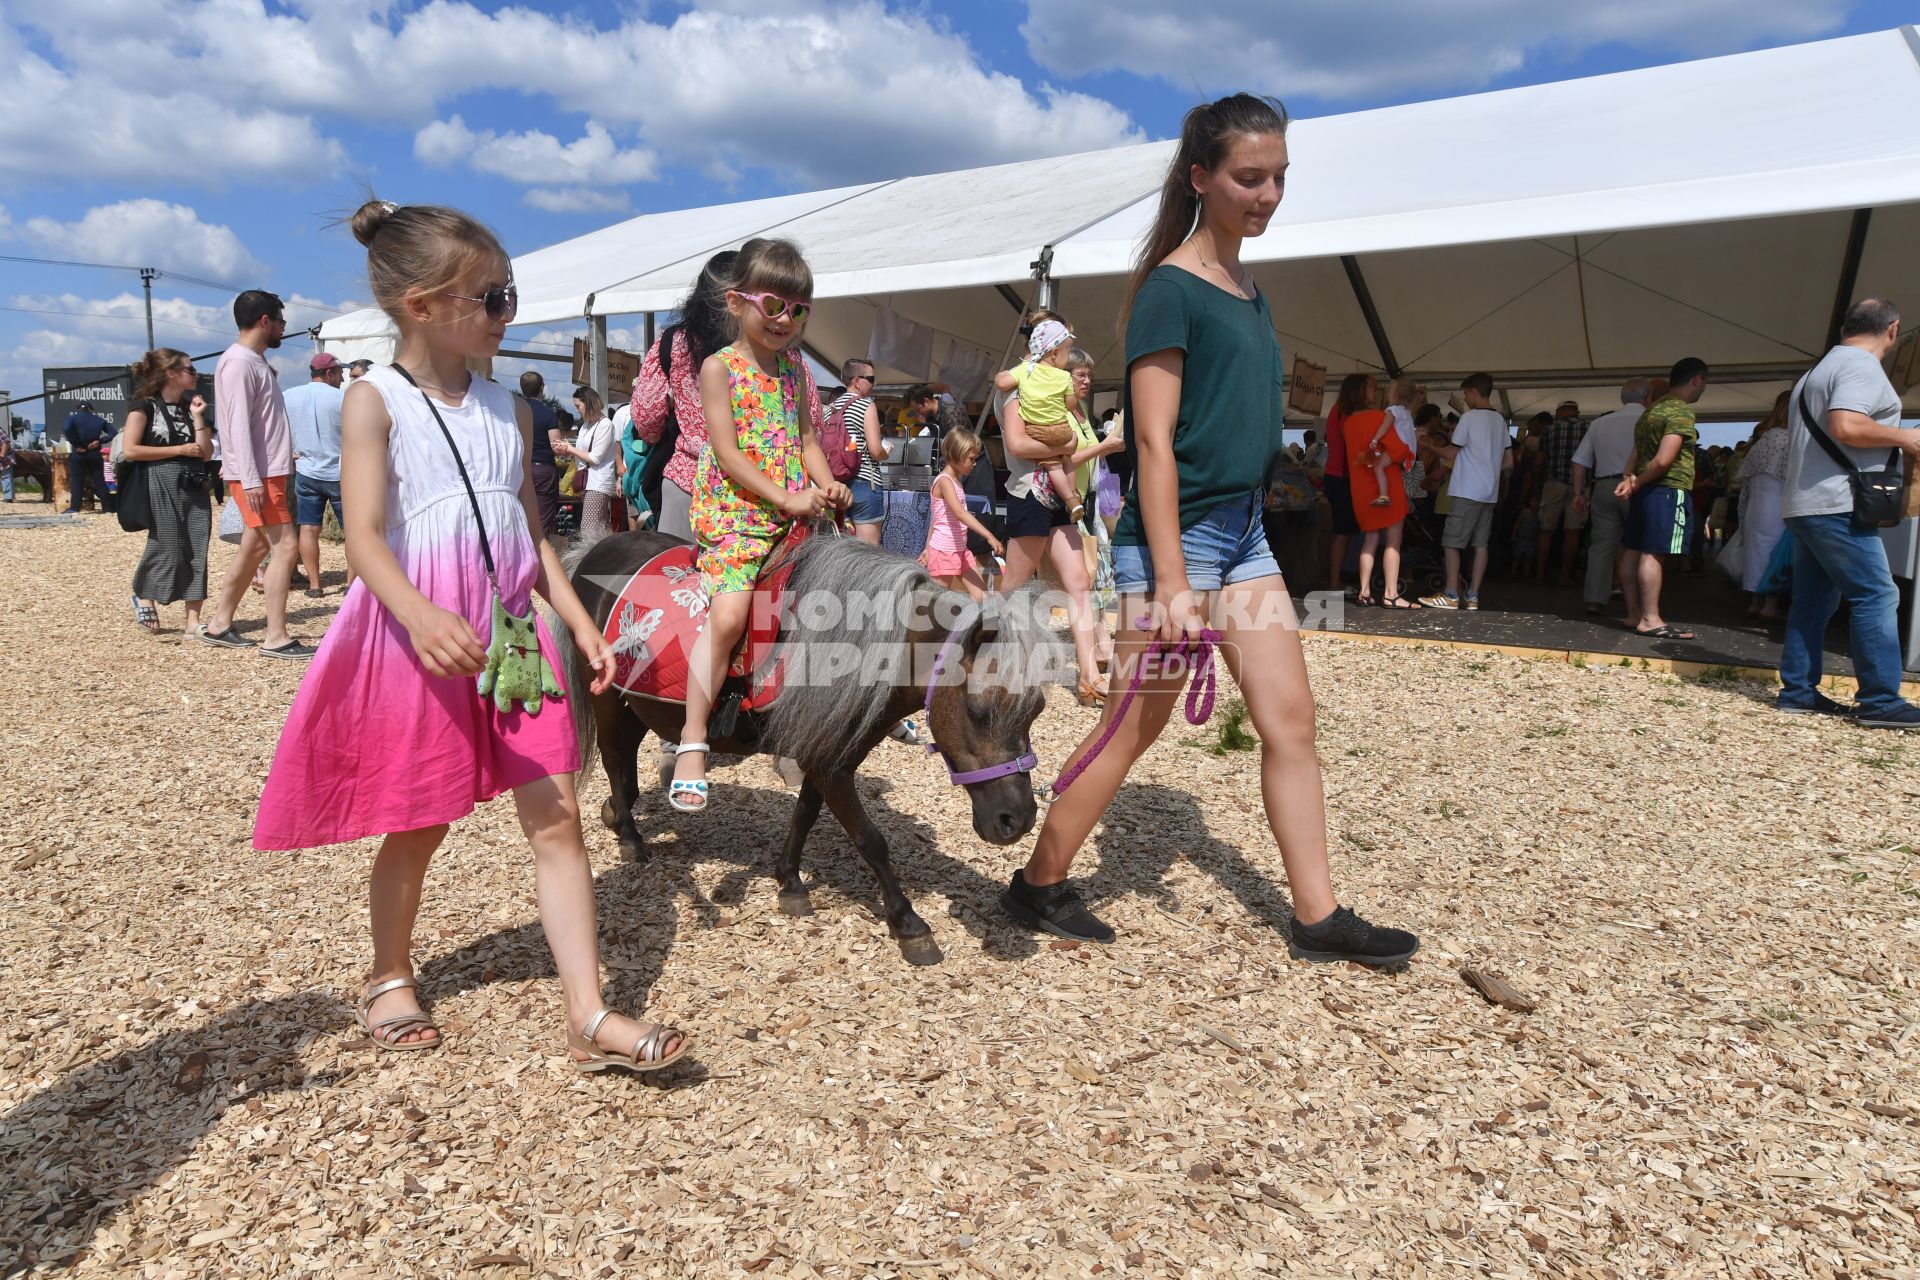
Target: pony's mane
x: 821, y: 723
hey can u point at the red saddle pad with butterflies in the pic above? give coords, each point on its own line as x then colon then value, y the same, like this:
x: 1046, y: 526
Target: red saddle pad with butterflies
x: 660, y: 612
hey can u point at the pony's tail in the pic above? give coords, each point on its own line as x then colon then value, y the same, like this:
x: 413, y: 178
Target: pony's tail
x: 579, y: 680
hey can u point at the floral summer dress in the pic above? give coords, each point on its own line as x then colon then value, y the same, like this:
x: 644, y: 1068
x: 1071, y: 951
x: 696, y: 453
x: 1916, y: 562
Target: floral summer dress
x: 736, y: 530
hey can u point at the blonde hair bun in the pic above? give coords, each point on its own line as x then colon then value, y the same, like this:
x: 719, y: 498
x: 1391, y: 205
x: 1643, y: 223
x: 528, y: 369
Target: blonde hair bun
x: 370, y: 217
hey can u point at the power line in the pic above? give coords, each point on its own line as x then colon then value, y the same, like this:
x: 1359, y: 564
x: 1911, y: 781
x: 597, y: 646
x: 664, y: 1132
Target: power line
x: 107, y: 315
x: 219, y: 285
x: 61, y: 262
x: 97, y: 382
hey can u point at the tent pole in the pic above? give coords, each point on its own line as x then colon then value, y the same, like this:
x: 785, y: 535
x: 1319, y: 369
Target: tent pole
x: 819, y: 356
x: 1913, y: 619
x: 650, y: 336
x: 1849, y: 272
x: 1042, y: 268
x: 1363, y: 296
x: 596, y: 350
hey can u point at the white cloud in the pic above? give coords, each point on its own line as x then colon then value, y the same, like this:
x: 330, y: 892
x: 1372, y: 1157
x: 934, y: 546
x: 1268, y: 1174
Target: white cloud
x: 1406, y: 48
x: 146, y: 232
x: 89, y: 121
x: 817, y: 92
x: 577, y: 200
x: 534, y: 156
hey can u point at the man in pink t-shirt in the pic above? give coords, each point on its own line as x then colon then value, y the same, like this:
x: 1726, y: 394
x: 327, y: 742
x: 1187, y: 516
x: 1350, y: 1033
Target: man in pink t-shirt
x: 256, y: 460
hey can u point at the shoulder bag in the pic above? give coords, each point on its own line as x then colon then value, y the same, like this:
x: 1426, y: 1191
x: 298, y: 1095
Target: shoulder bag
x: 1879, y: 497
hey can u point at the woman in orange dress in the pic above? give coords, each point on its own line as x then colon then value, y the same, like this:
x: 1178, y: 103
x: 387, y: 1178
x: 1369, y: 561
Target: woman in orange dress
x: 1377, y: 523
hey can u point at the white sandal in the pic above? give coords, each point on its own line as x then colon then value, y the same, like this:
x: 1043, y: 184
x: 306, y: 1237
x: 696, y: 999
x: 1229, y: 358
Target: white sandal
x: 678, y: 792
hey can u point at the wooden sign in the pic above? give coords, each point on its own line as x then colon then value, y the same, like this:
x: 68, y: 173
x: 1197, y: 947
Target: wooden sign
x: 1307, y: 388
x: 1903, y: 363
x: 623, y: 370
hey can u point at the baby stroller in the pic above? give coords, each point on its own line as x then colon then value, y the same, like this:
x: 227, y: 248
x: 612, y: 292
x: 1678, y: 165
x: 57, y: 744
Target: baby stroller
x: 1421, y: 562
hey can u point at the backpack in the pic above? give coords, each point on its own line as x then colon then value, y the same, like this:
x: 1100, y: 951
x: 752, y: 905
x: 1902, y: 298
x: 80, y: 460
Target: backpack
x: 843, y: 459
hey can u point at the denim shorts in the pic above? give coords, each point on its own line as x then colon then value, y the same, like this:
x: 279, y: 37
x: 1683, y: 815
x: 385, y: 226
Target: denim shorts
x: 1229, y: 545
x: 869, y: 504
x: 311, y: 498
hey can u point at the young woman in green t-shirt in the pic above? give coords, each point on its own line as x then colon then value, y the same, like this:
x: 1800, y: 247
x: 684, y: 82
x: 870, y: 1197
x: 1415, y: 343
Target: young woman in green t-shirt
x: 1190, y: 550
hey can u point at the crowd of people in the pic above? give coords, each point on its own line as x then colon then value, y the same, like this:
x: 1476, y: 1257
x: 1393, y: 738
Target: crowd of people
x: 1635, y: 493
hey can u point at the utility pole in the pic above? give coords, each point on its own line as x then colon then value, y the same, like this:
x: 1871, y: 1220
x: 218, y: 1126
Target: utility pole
x: 146, y: 282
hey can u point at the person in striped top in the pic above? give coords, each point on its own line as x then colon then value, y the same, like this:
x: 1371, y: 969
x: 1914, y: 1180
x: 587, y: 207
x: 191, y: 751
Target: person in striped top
x: 855, y: 405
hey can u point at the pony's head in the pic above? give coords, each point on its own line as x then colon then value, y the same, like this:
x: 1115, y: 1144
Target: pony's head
x: 861, y: 646
x: 982, y: 714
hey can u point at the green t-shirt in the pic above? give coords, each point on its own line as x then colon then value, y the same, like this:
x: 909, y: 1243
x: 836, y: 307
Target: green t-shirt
x: 1667, y: 416
x: 1232, y: 392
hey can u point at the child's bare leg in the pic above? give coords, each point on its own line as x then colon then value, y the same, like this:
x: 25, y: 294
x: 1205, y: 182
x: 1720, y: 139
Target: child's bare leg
x: 393, y: 902
x: 563, y: 885
x: 1380, y: 476
x: 1062, y: 481
x: 976, y: 586
x: 706, y: 669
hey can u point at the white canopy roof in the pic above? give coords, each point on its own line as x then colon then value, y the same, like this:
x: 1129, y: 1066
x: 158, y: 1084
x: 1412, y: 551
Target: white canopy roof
x: 1559, y: 233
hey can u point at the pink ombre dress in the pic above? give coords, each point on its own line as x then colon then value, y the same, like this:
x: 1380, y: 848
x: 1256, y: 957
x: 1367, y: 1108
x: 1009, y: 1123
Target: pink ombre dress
x: 373, y: 743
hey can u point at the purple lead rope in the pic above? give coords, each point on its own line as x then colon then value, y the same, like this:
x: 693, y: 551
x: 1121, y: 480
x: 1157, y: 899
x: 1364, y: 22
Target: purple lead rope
x: 1200, y: 696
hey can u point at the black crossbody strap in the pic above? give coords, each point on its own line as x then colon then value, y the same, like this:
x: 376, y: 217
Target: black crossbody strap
x: 486, y: 550
x: 1826, y: 442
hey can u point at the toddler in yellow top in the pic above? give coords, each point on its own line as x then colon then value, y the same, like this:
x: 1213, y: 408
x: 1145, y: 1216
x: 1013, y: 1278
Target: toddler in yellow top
x: 1045, y: 387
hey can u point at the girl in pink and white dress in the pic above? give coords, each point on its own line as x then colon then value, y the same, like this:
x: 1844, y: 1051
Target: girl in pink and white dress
x: 946, y: 556
x: 390, y: 735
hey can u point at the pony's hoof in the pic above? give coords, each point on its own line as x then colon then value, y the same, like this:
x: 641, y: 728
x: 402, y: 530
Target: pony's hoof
x: 921, y: 951
x: 609, y: 817
x: 632, y: 851
x: 796, y: 904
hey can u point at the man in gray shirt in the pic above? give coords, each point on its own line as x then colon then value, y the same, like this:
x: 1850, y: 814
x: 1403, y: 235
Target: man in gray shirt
x: 1599, y: 464
x: 1847, y: 394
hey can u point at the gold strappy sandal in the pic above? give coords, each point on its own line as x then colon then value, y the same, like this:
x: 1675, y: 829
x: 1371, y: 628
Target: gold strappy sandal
x: 386, y: 1033
x: 647, y: 1052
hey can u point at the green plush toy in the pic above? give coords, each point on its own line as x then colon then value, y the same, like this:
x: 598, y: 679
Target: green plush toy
x: 516, y: 669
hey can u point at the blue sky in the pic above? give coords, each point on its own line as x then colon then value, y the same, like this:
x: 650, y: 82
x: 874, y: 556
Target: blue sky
x: 214, y: 138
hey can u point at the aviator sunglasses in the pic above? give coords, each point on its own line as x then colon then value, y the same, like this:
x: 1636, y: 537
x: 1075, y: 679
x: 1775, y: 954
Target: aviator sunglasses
x: 773, y: 306
x: 499, y: 302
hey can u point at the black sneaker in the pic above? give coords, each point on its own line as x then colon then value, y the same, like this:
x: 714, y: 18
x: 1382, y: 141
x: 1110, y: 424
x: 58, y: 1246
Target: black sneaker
x: 1054, y: 908
x: 291, y: 649
x: 1903, y: 717
x: 1345, y: 936
x: 1821, y: 705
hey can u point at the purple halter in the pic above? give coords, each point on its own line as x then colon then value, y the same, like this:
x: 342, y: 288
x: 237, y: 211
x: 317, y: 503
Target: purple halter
x: 1024, y: 763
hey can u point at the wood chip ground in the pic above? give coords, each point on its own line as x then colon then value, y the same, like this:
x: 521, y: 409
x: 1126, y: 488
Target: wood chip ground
x: 1715, y: 909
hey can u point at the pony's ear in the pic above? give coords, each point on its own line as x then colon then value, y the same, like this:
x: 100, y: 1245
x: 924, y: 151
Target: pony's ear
x: 982, y: 630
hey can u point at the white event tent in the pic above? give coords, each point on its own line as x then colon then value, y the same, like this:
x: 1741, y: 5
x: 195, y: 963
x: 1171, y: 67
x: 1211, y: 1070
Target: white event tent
x: 1560, y: 236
